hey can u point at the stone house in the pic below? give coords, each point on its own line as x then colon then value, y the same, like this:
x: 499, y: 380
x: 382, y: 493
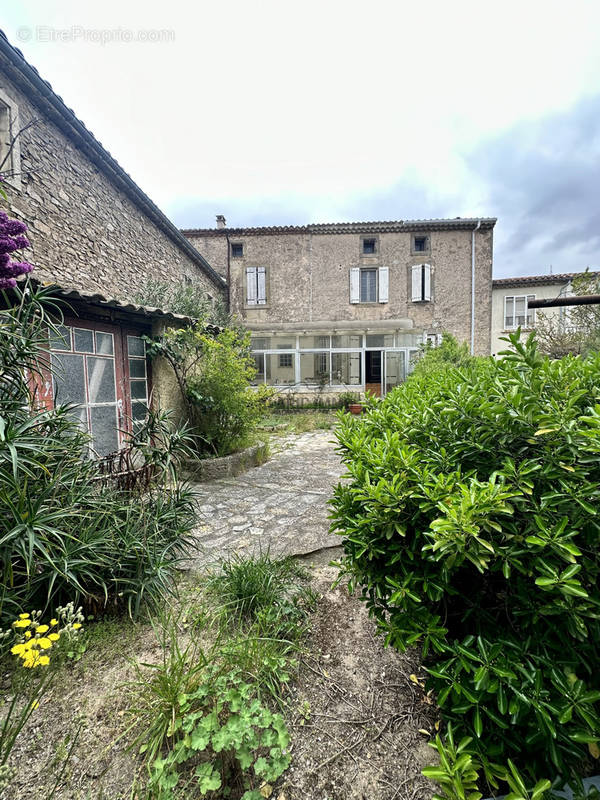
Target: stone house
x: 338, y: 307
x: 98, y: 238
x: 510, y: 298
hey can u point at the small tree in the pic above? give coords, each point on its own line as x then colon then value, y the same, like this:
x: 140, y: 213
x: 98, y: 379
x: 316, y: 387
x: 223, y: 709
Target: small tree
x: 450, y: 353
x: 577, y: 330
x: 214, y: 373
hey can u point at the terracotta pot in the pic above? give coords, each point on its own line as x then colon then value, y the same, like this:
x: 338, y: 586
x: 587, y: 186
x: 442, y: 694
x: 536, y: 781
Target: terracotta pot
x: 355, y: 408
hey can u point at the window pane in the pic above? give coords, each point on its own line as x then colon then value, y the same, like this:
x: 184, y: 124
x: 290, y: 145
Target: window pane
x: 136, y: 346
x: 259, y: 361
x: 68, y: 377
x: 138, y: 390
x: 83, y: 340
x: 137, y: 368
x: 347, y: 340
x: 104, y: 429
x: 395, y: 369
x: 260, y: 343
x: 315, y: 342
x: 345, y: 369
x: 368, y: 285
x: 408, y: 339
x: 104, y: 343
x: 380, y: 340
x: 280, y: 376
x: 287, y: 342
x: 139, y: 411
x: 61, y: 339
x: 314, y: 368
x: 101, y: 379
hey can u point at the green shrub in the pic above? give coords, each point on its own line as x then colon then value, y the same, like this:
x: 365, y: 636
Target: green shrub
x: 471, y: 523
x: 63, y: 537
x: 450, y: 353
x: 214, y: 373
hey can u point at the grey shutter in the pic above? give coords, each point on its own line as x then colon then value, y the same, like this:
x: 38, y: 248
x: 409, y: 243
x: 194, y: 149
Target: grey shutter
x: 355, y: 285
x: 262, y: 286
x: 251, y: 285
x: 426, y: 281
x: 416, y: 284
x: 384, y: 284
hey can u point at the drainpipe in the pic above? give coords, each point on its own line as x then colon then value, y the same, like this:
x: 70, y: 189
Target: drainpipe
x: 476, y: 228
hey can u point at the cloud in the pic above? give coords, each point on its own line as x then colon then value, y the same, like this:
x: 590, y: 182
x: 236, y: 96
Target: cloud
x: 542, y: 180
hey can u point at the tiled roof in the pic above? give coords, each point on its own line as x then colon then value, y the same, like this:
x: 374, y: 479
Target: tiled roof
x: 458, y: 223
x: 97, y: 299
x: 536, y: 280
x: 22, y: 73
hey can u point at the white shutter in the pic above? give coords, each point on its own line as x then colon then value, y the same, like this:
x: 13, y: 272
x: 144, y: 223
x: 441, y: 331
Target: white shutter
x: 262, y: 286
x: 384, y: 284
x: 355, y: 285
x: 426, y: 281
x: 251, y: 286
x: 416, y: 283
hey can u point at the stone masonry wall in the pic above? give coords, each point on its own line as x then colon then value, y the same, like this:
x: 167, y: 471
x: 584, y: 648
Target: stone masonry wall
x: 308, y: 278
x: 86, y: 232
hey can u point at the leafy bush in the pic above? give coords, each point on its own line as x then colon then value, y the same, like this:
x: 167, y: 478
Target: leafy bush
x: 63, y: 537
x: 187, y: 299
x: 471, y: 522
x: 214, y: 374
x: 450, y: 353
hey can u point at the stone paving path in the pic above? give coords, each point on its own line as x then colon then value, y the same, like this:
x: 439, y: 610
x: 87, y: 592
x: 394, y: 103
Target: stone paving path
x: 281, y: 505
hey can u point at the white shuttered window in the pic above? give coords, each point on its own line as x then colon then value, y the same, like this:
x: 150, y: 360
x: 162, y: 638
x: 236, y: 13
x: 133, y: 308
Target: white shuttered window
x: 369, y: 285
x: 256, y: 286
x: 421, y: 283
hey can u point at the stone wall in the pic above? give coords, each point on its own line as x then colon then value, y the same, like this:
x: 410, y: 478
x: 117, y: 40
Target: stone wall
x: 308, y: 278
x: 86, y: 232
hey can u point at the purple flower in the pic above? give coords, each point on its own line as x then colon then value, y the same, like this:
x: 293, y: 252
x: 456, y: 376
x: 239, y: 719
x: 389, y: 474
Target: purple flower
x: 4, y: 260
x: 3, y: 216
x: 12, y: 227
x: 21, y: 241
x: 7, y: 283
x: 16, y: 268
x: 7, y: 244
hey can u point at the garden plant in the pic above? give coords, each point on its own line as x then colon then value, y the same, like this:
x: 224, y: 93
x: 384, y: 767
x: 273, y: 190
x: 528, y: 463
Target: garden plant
x: 471, y: 525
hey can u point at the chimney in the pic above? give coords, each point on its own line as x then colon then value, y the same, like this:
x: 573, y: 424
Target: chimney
x: 221, y: 221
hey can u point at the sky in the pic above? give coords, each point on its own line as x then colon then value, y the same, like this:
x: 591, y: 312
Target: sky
x: 287, y: 113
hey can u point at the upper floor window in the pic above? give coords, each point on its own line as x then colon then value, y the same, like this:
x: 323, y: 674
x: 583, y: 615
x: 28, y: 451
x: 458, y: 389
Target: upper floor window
x: 369, y: 246
x: 421, y: 283
x: 517, y: 313
x: 420, y: 243
x: 369, y: 285
x: 256, y: 286
x: 237, y: 250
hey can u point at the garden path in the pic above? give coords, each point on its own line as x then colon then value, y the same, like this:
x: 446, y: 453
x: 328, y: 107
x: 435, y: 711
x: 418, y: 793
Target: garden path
x: 281, y: 505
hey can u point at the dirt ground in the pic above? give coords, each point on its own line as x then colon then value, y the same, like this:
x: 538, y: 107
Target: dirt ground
x: 357, y: 719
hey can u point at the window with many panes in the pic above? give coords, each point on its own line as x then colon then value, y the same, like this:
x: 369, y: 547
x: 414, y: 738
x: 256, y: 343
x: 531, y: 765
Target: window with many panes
x: 138, y: 379
x: 368, y: 286
x: 517, y: 313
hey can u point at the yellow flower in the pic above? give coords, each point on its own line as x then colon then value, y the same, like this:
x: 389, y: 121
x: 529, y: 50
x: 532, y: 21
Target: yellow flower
x: 53, y: 622
x: 27, y: 634
x: 44, y: 661
x: 54, y: 637
x: 77, y: 625
x: 18, y: 649
x: 42, y: 628
x: 23, y: 616
x: 44, y: 643
x: 35, y: 704
x: 22, y: 623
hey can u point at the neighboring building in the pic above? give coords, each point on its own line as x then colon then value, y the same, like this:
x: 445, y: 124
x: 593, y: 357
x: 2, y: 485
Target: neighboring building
x: 510, y: 297
x: 337, y: 307
x: 97, y: 236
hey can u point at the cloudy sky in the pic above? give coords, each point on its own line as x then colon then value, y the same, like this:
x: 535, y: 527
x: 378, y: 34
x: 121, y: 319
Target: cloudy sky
x: 336, y: 110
